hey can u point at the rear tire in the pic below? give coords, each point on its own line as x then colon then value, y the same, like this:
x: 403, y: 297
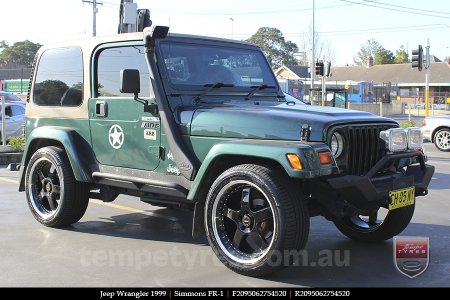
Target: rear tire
x: 442, y: 140
x: 253, y: 218
x: 54, y: 196
x: 362, y: 229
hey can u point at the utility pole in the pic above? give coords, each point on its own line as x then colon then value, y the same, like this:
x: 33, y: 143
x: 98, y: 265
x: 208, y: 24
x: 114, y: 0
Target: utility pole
x: 3, y: 121
x: 232, y: 28
x: 427, y: 80
x: 94, y: 14
x: 313, y: 51
x: 323, y: 85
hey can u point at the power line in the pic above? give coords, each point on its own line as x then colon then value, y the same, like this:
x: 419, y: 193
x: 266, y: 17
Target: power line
x: 355, y: 31
x: 258, y: 12
x: 410, y: 8
x: 394, y: 9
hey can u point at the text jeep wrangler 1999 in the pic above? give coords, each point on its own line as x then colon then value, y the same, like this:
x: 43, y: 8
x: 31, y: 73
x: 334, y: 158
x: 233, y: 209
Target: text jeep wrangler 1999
x: 202, y: 123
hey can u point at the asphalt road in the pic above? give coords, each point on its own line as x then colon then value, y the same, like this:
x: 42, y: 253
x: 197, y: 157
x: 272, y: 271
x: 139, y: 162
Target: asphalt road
x: 129, y: 243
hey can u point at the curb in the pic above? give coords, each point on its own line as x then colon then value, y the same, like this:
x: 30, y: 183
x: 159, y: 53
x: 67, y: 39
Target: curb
x: 8, y: 158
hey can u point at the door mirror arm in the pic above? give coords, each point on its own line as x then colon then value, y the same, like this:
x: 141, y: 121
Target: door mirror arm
x: 149, y: 108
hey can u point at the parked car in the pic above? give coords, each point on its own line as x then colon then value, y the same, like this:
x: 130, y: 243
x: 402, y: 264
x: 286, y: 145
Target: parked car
x: 290, y: 98
x: 437, y: 130
x: 10, y: 97
x: 14, y: 119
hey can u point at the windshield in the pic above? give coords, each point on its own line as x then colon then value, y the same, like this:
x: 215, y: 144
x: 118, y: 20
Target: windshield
x: 194, y: 66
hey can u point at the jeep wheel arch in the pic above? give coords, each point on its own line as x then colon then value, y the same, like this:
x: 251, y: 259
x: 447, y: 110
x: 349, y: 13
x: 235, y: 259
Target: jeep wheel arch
x: 69, y: 140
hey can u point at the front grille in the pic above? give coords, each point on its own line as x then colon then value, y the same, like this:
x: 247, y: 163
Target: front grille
x: 365, y: 148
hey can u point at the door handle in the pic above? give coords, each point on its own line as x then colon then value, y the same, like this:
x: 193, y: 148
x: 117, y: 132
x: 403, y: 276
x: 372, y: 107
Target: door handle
x: 101, y: 109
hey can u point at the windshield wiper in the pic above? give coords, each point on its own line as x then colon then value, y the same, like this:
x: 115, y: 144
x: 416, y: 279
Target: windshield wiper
x: 211, y: 86
x: 258, y: 88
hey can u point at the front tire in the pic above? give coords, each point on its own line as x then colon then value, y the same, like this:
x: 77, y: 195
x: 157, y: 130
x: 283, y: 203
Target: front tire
x: 371, y: 229
x: 253, y: 219
x: 442, y: 140
x: 54, y: 196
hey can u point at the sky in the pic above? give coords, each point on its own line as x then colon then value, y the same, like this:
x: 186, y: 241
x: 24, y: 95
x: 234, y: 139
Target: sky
x: 343, y: 26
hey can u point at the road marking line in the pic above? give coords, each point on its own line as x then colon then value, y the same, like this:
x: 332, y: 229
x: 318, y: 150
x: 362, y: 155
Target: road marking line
x: 94, y: 201
x: 117, y: 206
x: 9, y: 180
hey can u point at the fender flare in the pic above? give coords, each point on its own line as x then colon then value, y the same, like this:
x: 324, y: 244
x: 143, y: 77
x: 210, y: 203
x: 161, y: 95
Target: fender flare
x: 77, y: 148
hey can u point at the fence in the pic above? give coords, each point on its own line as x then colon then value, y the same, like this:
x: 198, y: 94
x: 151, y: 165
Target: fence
x: 381, y: 109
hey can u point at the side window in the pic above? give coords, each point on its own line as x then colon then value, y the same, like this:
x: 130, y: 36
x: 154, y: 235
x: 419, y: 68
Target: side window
x: 59, y: 78
x: 109, y: 64
x: 17, y: 110
x: 8, y: 111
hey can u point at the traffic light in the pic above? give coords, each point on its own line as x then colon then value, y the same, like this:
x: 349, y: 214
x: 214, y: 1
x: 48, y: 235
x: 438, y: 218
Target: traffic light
x: 319, y: 68
x: 328, y: 69
x: 417, y: 58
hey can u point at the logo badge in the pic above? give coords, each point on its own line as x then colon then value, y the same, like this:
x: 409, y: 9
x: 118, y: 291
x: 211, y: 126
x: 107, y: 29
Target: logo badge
x: 411, y: 255
x: 116, y: 136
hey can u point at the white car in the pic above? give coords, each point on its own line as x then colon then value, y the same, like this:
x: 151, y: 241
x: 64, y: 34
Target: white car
x: 437, y: 130
x: 14, y: 119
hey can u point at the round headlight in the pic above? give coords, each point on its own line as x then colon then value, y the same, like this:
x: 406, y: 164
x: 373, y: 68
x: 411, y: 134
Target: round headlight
x: 337, y: 144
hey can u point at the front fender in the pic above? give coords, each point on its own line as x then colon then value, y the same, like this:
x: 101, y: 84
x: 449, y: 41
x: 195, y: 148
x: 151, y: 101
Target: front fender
x: 271, y: 151
x: 76, y: 147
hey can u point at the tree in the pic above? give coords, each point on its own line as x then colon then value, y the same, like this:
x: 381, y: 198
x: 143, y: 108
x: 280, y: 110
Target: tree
x: 372, y: 48
x: 383, y: 56
x: 277, y: 50
x: 321, y: 48
x: 20, y: 52
x: 3, y: 44
x: 401, y: 57
x: 367, y: 50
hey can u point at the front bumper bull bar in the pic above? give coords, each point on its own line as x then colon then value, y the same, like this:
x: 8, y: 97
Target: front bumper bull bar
x: 373, y: 189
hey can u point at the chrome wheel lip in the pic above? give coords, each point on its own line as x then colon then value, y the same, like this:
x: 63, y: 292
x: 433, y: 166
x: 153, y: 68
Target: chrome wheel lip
x: 219, y: 237
x: 37, y: 203
x: 443, y: 140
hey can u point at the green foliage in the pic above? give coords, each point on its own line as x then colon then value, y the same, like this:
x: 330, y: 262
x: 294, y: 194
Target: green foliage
x: 409, y: 123
x: 17, y: 143
x: 20, y: 52
x: 367, y: 50
x: 277, y: 50
x: 401, y: 57
x: 381, y: 55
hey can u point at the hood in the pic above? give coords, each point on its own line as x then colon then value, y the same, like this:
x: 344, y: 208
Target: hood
x: 274, y: 121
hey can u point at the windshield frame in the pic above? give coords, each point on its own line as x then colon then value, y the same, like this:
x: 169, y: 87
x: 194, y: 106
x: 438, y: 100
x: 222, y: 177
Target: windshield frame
x: 195, y: 89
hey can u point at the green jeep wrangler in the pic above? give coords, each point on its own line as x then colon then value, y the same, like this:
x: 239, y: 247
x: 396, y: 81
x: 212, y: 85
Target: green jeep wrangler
x: 202, y: 123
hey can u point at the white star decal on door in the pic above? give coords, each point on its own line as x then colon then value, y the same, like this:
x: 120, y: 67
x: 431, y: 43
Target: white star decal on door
x: 116, y: 136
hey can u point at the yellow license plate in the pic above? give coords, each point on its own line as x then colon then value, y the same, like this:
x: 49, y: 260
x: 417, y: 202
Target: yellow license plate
x: 401, y: 198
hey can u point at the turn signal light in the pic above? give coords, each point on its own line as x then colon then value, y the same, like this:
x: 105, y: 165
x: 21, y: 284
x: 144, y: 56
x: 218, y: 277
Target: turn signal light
x: 325, y: 158
x: 294, y: 161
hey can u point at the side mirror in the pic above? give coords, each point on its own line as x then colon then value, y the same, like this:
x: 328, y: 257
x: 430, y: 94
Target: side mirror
x: 130, y: 82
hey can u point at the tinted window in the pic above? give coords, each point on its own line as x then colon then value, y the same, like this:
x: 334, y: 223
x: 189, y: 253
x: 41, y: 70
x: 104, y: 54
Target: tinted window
x: 8, y: 111
x: 59, y: 78
x: 111, y: 61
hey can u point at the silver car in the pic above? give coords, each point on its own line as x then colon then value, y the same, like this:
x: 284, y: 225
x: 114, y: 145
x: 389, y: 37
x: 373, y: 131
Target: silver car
x: 437, y: 130
x: 14, y: 119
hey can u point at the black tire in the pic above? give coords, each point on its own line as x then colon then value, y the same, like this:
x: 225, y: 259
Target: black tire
x: 442, y: 139
x: 362, y: 229
x: 253, y: 218
x: 54, y: 196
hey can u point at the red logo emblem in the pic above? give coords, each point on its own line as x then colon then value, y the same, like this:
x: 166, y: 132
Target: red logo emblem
x: 411, y: 255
